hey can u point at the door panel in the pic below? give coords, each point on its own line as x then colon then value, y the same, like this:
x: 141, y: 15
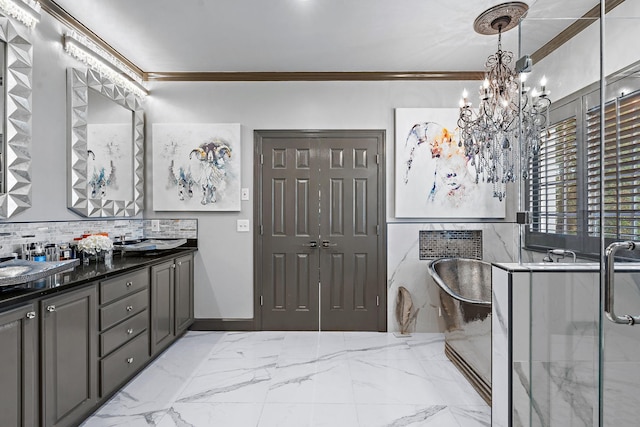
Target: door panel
x: 162, y: 305
x: 319, y: 251
x: 19, y: 368
x: 69, y: 356
x: 349, y: 259
x: 290, y: 223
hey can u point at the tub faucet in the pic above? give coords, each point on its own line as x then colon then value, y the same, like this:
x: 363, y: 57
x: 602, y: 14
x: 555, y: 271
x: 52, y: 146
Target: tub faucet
x: 559, y: 254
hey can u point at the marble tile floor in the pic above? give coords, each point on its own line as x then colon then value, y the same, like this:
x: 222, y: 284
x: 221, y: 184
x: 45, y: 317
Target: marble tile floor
x: 298, y: 379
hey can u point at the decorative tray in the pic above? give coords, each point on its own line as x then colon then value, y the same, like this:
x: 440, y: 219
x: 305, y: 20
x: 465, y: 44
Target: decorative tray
x: 152, y: 245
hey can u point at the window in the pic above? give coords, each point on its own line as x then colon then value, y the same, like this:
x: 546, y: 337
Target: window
x: 563, y: 192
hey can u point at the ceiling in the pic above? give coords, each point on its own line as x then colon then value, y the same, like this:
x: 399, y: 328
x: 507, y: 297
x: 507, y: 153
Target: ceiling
x: 312, y: 35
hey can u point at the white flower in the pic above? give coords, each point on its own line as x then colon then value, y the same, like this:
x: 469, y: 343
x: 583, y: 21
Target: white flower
x: 95, y: 243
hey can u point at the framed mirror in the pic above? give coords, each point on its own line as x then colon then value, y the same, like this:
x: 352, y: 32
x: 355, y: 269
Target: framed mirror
x: 106, y: 153
x: 16, y: 53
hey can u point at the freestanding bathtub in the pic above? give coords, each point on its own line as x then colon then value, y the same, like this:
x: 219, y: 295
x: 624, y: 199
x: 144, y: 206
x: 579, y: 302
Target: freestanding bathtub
x: 465, y: 298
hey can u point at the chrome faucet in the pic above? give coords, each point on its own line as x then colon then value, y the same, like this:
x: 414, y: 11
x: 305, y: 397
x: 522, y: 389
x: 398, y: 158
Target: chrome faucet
x: 559, y: 254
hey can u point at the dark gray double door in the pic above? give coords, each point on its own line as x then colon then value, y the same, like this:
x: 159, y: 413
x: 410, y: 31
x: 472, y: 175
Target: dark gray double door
x: 320, y: 260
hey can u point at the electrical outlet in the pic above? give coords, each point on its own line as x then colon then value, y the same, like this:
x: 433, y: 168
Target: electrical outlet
x: 242, y: 225
x: 155, y: 225
x: 244, y: 194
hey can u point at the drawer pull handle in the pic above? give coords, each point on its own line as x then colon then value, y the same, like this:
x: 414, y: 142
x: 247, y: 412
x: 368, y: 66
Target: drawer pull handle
x: 130, y: 360
x: 51, y: 308
x: 129, y: 331
x: 129, y: 284
x: 31, y: 315
x: 129, y: 307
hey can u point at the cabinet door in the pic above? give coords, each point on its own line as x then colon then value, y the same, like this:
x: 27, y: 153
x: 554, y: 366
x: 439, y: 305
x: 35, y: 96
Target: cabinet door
x: 184, y: 293
x: 18, y: 370
x: 69, y: 356
x: 162, y: 308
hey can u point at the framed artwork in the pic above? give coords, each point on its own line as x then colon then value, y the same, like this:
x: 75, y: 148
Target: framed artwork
x: 196, y: 167
x: 434, y: 178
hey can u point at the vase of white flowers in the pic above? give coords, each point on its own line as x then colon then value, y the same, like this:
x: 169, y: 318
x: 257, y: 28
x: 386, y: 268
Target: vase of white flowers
x: 95, y: 246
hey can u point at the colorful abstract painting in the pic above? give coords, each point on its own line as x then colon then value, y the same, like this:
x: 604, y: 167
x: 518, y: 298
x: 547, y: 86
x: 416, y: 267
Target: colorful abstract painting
x: 434, y: 178
x: 196, y: 167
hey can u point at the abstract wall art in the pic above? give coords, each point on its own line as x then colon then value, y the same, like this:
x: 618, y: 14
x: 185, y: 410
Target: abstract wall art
x: 196, y: 167
x: 434, y: 178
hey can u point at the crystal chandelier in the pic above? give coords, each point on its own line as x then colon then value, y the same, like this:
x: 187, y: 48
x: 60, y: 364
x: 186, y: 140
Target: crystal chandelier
x: 505, y: 131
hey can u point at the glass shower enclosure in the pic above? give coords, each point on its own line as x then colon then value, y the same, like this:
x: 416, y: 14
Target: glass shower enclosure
x: 583, y: 369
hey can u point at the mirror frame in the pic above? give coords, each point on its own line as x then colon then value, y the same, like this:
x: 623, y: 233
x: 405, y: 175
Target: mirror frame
x: 17, y: 120
x: 79, y: 81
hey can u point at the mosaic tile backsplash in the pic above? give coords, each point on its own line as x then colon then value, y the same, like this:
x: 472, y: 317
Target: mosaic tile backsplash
x: 14, y: 234
x: 450, y: 243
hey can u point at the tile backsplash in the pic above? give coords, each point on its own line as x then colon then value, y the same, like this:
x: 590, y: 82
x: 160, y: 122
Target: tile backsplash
x: 450, y: 243
x: 14, y: 234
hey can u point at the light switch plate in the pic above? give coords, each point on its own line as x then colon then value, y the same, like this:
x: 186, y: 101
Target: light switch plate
x: 155, y: 225
x: 244, y: 194
x: 242, y: 225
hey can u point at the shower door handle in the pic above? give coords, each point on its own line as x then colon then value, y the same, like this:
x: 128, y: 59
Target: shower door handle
x: 609, y: 273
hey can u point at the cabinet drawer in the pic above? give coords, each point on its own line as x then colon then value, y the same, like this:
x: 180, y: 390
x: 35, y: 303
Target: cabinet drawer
x: 123, y: 363
x: 126, y: 284
x: 122, y: 309
x: 123, y: 332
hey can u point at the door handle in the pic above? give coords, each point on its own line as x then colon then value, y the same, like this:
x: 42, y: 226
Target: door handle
x: 609, y: 259
x: 327, y: 244
x: 311, y: 244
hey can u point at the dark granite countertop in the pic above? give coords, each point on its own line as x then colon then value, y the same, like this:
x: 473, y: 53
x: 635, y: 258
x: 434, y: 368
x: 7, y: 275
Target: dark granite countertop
x: 85, y: 274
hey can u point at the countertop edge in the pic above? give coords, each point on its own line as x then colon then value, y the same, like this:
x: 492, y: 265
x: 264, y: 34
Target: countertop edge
x: 91, y: 274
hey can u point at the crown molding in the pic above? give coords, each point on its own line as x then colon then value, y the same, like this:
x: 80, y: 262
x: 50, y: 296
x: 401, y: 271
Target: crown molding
x: 573, y: 30
x: 53, y: 9
x: 311, y: 76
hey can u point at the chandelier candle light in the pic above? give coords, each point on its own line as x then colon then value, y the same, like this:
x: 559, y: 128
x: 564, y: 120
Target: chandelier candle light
x: 507, y: 113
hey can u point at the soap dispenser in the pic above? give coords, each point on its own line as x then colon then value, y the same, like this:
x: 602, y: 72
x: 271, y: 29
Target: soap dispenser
x: 38, y: 254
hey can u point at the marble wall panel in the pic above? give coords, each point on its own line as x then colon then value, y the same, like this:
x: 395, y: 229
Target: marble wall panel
x: 500, y: 368
x: 404, y: 267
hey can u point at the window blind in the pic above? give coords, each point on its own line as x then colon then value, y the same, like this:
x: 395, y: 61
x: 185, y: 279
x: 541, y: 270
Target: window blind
x: 622, y: 168
x: 553, y: 196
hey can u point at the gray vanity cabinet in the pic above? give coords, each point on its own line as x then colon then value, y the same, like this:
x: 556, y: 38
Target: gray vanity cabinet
x: 162, y: 305
x: 124, y: 324
x: 19, y: 367
x: 69, y: 334
x: 184, y: 293
x: 64, y: 354
x: 171, y: 300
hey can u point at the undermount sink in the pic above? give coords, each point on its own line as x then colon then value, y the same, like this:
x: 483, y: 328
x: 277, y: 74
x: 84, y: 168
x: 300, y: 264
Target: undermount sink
x: 17, y: 271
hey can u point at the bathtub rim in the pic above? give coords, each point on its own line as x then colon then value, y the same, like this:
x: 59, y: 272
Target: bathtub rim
x: 443, y: 286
